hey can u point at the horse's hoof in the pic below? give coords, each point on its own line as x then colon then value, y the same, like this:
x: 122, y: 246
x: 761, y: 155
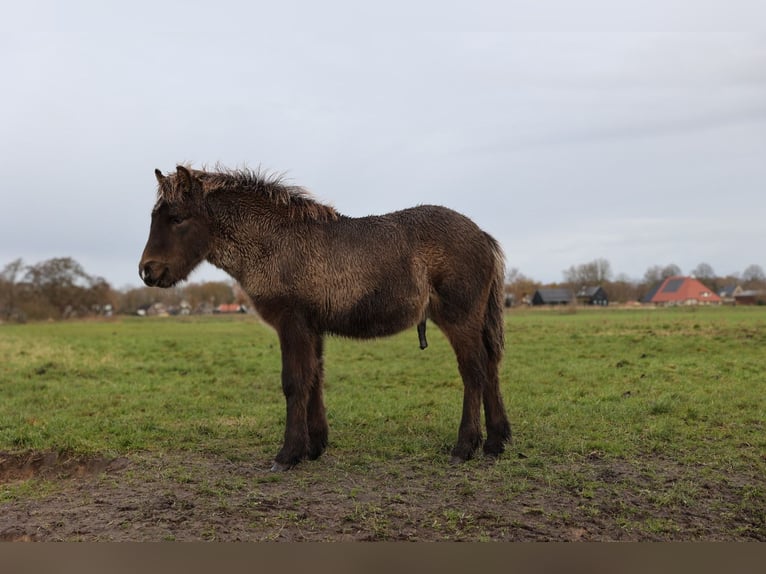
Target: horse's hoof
x: 279, y: 467
x: 493, y: 450
x: 456, y: 461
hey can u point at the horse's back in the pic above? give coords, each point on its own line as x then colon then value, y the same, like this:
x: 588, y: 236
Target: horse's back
x: 451, y: 243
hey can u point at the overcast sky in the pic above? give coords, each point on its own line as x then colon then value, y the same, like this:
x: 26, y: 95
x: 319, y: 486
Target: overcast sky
x: 569, y: 130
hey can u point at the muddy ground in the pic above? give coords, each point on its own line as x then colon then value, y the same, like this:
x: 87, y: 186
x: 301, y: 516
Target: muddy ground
x: 152, y: 497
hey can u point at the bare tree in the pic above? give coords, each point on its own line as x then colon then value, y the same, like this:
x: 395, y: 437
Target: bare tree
x: 60, y: 288
x: 519, y: 285
x: 9, y: 304
x: 671, y: 270
x: 657, y: 273
x: 753, y: 273
x: 753, y: 277
x: 58, y: 282
x: 595, y: 273
x: 12, y: 271
x: 599, y: 271
x: 705, y: 274
x: 210, y: 294
x: 623, y: 289
x: 703, y: 271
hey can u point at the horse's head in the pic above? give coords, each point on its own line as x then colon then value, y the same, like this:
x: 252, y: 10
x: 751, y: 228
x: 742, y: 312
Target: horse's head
x: 179, y: 236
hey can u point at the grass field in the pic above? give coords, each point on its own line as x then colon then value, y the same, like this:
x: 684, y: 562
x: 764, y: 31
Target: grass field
x: 628, y: 425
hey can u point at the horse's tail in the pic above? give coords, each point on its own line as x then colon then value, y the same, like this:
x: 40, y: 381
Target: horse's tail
x: 498, y: 427
x: 494, y: 327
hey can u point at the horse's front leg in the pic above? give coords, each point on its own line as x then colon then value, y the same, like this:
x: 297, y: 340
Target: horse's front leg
x: 316, y: 416
x: 298, y: 374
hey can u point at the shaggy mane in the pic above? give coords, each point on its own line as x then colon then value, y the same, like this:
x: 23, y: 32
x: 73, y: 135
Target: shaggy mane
x: 300, y: 202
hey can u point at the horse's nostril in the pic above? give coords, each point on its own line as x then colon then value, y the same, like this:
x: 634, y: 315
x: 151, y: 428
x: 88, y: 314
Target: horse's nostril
x: 145, y: 272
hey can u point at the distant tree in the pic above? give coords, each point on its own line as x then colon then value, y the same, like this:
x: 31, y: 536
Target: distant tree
x: 197, y: 295
x: 753, y: 273
x: 97, y: 296
x: 212, y: 293
x: 671, y: 271
x: 622, y: 289
x: 703, y: 271
x: 131, y: 300
x: 9, y: 297
x: 12, y: 271
x: 512, y: 275
x: 240, y: 297
x: 599, y: 271
x: 595, y: 273
x: 652, y: 275
x: 519, y: 285
x: 705, y: 274
x: 56, y: 283
x: 657, y: 273
x: 60, y: 288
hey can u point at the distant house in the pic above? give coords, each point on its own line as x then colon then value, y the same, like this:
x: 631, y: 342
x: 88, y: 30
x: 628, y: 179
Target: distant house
x: 152, y: 310
x: 184, y: 308
x: 729, y: 293
x: 552, y: 297
x: 750, y: 297
x: 734, y: 294
x: 230, y: 308
x: 592, y: 296
x: 679, y: 290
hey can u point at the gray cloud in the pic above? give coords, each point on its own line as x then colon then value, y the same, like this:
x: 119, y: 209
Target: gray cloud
x: 562, y: 128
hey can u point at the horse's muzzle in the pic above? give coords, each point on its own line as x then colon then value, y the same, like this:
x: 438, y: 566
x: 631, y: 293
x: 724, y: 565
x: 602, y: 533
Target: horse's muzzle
x: 153, y: 273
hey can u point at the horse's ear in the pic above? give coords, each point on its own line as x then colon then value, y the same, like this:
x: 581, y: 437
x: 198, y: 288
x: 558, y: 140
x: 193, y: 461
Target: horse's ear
x: 159, y: 176
x: 184, y: 177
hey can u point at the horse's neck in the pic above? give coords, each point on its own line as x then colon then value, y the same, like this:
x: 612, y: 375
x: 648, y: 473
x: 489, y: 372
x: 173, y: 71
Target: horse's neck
x: 241, y: 240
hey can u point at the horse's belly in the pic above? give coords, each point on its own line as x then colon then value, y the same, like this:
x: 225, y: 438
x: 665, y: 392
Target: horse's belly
x: 368, y: 324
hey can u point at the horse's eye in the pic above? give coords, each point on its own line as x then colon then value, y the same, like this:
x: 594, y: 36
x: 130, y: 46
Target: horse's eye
x: 177, y: 219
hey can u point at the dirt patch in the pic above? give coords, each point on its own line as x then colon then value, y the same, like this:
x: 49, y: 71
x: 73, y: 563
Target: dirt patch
x: 195, y: 497
x: 24, y: 466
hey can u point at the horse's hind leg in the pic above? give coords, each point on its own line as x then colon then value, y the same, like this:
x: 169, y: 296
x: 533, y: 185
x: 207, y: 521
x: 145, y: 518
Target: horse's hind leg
x: 498, y: 427
x: 478, y: 354
x: 471, y: 360
x: 469, y: 433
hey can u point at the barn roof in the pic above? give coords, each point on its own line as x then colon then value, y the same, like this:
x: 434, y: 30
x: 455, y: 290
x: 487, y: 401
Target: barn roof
x: 652, y: 292
x: 728, y: 290
x: 679, y: 289
x: 588, y: 291
x: 555, y: 295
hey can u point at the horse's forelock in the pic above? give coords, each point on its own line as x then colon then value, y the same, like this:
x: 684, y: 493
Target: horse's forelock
x: 165, y: 193
x: 170, y: 189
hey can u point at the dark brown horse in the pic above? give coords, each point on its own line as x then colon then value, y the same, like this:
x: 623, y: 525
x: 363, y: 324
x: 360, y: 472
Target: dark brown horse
x: 311, y: 271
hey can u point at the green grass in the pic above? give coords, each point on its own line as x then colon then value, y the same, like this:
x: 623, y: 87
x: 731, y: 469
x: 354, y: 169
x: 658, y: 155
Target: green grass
x: 588, y: 394
x: 680, y: 382
x: 617, y: 382
x: 134, y: 385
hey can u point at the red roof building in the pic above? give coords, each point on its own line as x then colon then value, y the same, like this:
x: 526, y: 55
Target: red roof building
x: 230, y: 308
x: 682, y: 291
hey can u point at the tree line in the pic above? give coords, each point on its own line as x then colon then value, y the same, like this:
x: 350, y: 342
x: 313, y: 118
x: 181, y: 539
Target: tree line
x: 623, y: 289
x: 60, y: 288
